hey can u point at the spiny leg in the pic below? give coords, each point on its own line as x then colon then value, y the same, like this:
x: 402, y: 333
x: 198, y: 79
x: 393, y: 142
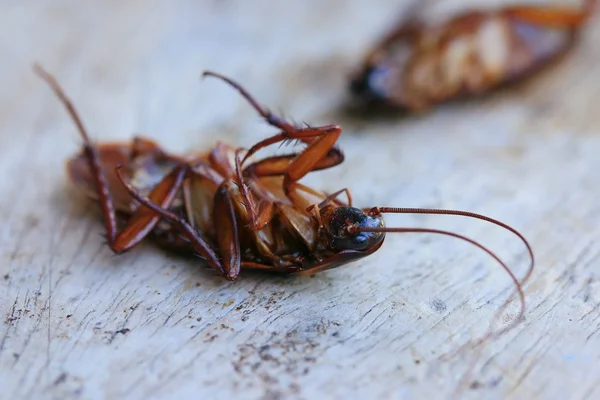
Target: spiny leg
x: 108, y: 210
x: 317, y: 151
x: 315, y: 209
x: 290, y: 132
x: 325, y: 155
x: 319, y: 154
x: 271, y: 118
x: 334, y: 195
x: 259, y: 214
x: 305, y: 135
x: 227, y: 234
x: 274, y: 165
x: 142, y: 222
x: 203, y: 248
x: 223, y: 218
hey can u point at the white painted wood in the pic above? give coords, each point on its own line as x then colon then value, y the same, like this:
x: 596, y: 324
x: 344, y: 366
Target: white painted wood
x: 80, y: 323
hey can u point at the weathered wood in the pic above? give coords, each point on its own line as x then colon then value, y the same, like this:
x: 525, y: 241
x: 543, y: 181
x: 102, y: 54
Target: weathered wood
x: 78, y: 322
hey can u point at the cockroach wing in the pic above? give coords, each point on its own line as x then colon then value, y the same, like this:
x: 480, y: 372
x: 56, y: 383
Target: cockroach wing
x: 201, y: 203
x: 111, y: 155
x: 143, y: 170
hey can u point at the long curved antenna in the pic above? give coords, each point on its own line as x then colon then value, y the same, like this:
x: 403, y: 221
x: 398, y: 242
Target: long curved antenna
x: 518, y: 284
x: 395, y: 210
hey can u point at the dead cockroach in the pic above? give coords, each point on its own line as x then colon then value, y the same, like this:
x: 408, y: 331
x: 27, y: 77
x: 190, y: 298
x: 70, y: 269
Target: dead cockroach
x: 234, y: 214
x: 417, y: 66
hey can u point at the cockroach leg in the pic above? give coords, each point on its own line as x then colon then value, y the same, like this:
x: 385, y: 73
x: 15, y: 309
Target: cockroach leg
x: 305, y: 135
x: 187, y: 202
x: 316, y: 212
x: 142, y: 222
x: 224, y: 216
x: 271, y: 118
x: 227, y: 235
x: 333, y: 196
x: 311, y: 156
x: 320, y: 153
x: 249, y: 202
x: 260, y: 215
x: 315, y: 193
x: 200, y: 245
x: 317, y: 155
x: 290, y: 132
x: 108, y: 210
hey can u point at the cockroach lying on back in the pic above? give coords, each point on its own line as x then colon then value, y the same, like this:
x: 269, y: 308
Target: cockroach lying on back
x: 233, y: 213
x: 417, y: 66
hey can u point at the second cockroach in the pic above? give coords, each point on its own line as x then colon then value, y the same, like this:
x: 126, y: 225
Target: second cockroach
x: 417, y: 65
x: 236, y: 214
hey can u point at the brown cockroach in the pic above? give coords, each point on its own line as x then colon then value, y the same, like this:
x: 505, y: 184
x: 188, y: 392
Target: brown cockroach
x: 417, y: 66
x: 235, y: 214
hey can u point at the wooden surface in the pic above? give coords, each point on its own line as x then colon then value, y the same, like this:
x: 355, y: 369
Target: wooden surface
x: 80, y: 323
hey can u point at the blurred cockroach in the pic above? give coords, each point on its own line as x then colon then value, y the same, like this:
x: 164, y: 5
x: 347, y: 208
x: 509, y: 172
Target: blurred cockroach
x: 235, y: 214
x: 417, y: 66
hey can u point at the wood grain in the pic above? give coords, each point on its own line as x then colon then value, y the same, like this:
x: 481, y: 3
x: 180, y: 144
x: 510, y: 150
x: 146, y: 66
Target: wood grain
x: 80, y: 323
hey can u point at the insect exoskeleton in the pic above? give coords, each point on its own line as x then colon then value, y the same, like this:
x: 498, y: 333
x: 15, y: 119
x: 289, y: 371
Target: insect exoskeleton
x: 418, y: 65
x: 239, y: 212
x: 236, y: 211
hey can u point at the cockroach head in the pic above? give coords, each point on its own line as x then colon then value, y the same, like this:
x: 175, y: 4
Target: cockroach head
x: 368, y: 86
x: 375, y: 88
x: 345, y: 224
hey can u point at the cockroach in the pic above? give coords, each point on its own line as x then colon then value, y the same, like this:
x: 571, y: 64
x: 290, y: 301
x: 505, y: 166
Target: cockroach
x: 236, y: 214
x: 417, y: 66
